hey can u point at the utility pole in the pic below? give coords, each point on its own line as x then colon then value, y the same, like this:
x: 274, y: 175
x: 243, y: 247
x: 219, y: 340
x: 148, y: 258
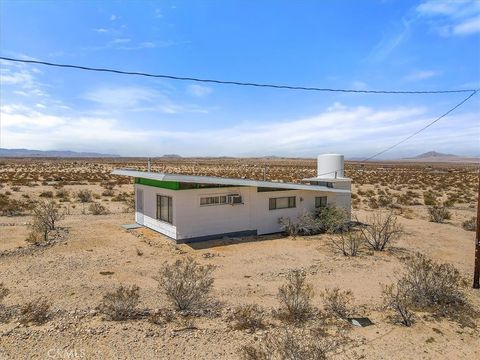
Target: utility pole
x: 476, y: 271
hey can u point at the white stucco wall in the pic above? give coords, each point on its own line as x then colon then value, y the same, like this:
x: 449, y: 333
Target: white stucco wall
x: 192, y: 220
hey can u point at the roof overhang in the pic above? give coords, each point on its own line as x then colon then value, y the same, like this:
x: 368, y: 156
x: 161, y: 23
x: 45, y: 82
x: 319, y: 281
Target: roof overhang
x: 223, y: 181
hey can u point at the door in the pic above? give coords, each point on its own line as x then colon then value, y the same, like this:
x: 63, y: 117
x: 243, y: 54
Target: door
x: 139, y: 207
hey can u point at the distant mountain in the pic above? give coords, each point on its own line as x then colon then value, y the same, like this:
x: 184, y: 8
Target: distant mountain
x: 172, y: 156
x: 433, y: 156
x: 49, y: 153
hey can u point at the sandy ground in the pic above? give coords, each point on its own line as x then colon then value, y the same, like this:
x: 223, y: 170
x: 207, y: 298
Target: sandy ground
x: 248, y: 270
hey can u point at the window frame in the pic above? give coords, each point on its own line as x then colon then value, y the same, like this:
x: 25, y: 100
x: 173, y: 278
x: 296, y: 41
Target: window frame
x: 221, y: 199
x: 159, y: 215
x: 291, y: 202
x: 320, y: 205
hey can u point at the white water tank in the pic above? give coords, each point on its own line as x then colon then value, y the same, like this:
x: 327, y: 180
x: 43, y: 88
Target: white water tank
x: 330, y: 166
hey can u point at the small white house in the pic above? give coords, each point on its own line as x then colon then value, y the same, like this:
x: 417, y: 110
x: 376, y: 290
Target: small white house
x: 197, y: 208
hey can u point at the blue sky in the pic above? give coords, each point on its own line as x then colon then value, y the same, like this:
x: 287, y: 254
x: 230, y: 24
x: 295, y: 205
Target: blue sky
x: 396, y: 45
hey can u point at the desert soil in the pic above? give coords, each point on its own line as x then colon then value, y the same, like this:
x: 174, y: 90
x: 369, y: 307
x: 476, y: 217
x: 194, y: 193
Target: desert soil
x: 95, y: 255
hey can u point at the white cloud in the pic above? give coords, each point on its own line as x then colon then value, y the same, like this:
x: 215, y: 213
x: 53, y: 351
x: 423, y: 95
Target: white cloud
x: 460, y: 17
x: 113, y: 17
x: 199, y: 90
x: 467, y: 27
x: 101, y: 30
x: 121, y: 41
x: 351, y: 130
x: 421, y: 75
x: 121, y: 97
x: 391, y: 41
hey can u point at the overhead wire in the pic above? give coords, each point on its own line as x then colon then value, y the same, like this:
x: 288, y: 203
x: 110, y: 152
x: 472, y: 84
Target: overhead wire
x: 227, y: 82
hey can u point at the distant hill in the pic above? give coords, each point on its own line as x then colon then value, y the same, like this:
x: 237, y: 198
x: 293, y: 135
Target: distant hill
x: 49, y: 153
x: 172, y: 156
x: 433, y: 156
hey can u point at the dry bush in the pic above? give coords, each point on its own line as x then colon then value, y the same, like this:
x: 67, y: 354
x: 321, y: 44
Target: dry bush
x: 328, y: 219
x: 3, y: 292
x: 120, y: 304
x: 295, y: 298
x: 348, y: 243
x: 288, y: 344
x: 439, y: 214
x: 470, y: 225
x: 429, y: 198
x: 381, y: 231
x: 396, y: 298
x: 186, y: 283
x: 98, y: 209
x: 63, y: 194
x: 4, y: 316
x: 162, y: 317
x: 431, y: 284
x: 45, y: 217
x: 46, y: 194
x: 305, y: 224
x: 338, y: 302
x: 35, y: 311
x: 11, y: 207
x: 250, y: 316
x: 84, y: 195
x: 108, y: 192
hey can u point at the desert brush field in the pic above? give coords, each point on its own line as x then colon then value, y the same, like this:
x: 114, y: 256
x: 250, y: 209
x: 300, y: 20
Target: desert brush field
x: 87, y: 288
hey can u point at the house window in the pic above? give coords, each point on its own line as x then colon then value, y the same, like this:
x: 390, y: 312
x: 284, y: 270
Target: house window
x: 221, y: 200
x: 282, y: 203
x: 164, y: 208
x: 325, y: 183
x: 213, y: 200
x: 320, y: 201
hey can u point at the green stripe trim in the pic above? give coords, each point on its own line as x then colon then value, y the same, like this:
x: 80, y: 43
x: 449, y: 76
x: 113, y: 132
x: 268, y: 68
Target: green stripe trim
x: 172, y: 185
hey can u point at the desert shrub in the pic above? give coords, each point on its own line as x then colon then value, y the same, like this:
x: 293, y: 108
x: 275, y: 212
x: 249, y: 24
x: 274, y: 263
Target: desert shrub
x: 381, y: 231
x: 338, y: 302
x: 4, y: 316
x: 295, y: 297
x: 120, y: 304
x: 46, y: 194
x: 305, y: 224
x: 98, y: 209
x: 108, y: 192
x: 470, y: 225
x: 348, y: 243
x: 15, y: 188
x: 45, y: 217
x: 372, y: 203
x: 429, y: 198
x: 439, y: 214
x: 35, y: 311
x: 384, y: 201
x: 431, y: 284
x: 84, y: 195
x: 3, y: 292
x: 332, y: 219
x: 48, y: 213
x: 298, y: 344
x: 186, y: 283
x: 395, y: 297
x: 162, y: 317
x: 11, y: 207
x: 63, y: 194
x: 250, y: 316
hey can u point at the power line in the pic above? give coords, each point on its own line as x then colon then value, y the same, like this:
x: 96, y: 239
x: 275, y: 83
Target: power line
x: 225, y: 82
x: 425, y: 127
x: 474, y: 92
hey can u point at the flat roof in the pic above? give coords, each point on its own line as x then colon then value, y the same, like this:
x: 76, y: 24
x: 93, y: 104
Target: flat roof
x: 223, y: 181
